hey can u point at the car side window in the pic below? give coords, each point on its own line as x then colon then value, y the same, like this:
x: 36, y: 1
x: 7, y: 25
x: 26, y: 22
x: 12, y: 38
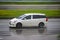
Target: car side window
x: 38, y: 16
x: 27, y: 17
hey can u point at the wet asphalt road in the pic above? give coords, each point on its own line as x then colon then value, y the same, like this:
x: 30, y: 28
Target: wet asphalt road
x: 49, y: 33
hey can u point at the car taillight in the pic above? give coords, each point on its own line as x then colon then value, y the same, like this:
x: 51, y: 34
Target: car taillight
x: 46, y: 19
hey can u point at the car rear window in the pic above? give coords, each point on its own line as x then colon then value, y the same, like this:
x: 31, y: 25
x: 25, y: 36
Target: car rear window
x: 38, y: 16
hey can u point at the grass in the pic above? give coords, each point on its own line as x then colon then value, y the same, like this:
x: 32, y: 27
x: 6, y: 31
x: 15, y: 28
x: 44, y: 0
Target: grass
x: 16, y: 13
x: 29, y: 3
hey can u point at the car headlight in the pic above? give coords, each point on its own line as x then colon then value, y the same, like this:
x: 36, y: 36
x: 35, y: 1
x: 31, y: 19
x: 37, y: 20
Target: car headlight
x: 15, y: 21
x: 9, y: 22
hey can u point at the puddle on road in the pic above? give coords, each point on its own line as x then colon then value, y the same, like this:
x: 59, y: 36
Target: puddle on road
x: 27, y: 31
x: 33, y: 31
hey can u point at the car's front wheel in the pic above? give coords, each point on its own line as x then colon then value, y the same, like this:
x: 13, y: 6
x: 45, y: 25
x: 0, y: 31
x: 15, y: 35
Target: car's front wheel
x: 19, y: 25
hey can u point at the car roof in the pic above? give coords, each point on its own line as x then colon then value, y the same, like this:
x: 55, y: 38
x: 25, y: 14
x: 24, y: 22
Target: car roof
x: 34, y: 14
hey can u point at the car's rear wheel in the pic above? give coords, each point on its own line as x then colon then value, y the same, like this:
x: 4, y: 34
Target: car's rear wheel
x: 41, y: 25
x: 18, y: 25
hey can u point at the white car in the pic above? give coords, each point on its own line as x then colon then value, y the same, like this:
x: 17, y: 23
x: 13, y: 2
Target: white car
x: 29, y: 20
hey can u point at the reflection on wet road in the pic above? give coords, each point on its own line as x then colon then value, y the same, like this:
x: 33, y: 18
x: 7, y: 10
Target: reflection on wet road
x: 29, y: 31
x: 48, y: 33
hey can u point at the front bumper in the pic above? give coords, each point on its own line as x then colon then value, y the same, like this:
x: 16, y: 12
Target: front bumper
x: 12, y: 24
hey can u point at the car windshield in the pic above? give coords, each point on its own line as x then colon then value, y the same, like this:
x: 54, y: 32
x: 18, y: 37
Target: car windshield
x: 21, y: 16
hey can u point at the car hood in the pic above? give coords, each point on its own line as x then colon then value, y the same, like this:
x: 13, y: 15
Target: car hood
x: 13, y: 19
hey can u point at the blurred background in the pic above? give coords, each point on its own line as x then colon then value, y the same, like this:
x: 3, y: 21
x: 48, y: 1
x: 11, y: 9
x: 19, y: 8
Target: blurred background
x: 9, y: 8
x: 14, y: 8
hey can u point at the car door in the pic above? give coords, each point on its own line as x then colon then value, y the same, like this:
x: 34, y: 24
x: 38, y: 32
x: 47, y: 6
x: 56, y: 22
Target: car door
x: 35, y: 20
x: 27, y: 21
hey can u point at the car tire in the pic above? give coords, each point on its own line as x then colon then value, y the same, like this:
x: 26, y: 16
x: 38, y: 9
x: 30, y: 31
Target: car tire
x: 41, y: 25
x: 18, y: 25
